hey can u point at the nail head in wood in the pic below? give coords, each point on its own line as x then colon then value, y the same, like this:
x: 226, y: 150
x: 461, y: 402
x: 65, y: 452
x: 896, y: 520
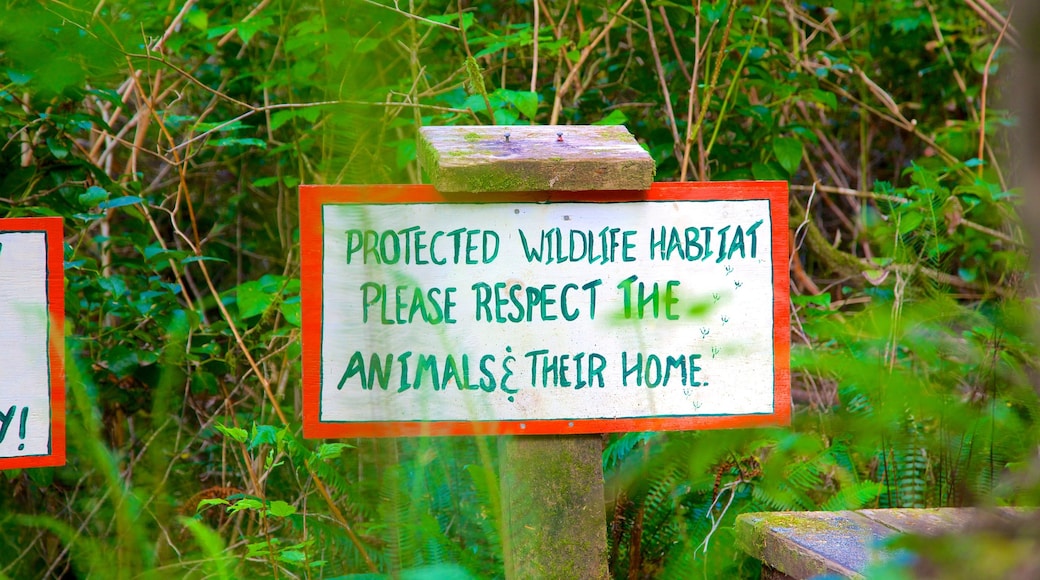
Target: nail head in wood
x: 477, y: 159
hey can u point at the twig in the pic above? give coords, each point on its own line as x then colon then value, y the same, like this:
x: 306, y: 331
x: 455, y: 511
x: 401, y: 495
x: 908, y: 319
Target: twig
x: 661, y: 78
x: 982, y: 102
x: 230, y: 33
x: 736, y: 79
x: 415, y: 16
x: 191, y: 78
x: 993, y: 18
x: 799, y: 236
x: 902, y: 200
x: 585, y: 52
x: 675, y: 45
x: 693, y: 128
x: 850, y: 192
x: 174, y: 25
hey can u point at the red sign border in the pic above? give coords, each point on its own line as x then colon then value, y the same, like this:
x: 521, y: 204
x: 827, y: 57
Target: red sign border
x: 313, y: 197
x: 54, y: 230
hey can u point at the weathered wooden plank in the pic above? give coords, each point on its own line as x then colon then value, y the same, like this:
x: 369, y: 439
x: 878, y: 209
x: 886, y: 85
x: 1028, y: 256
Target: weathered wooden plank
x: 807, y: 544
x: 918, y: 521
x: 482, y: 159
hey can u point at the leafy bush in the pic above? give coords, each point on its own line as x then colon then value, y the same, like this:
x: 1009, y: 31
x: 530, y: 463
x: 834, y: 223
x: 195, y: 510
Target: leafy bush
x: 172, y: 138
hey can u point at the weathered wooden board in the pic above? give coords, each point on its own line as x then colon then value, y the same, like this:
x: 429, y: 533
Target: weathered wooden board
x: 807, y: 544
x: 844, y: 543
x: 650, y: 310
x: 32, y: 372
x: 479, y: 159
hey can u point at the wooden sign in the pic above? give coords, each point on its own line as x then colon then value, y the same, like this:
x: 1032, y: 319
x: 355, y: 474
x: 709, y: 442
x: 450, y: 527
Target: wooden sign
x: 660, y: 309
x: 32, y: 316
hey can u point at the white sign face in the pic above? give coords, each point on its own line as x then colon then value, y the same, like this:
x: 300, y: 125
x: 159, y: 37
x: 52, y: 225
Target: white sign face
x: 566, y: 311
x: 26, y: 409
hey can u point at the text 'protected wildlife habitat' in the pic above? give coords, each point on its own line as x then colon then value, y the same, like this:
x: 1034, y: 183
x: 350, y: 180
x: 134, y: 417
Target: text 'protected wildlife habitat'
x: 433, y: 317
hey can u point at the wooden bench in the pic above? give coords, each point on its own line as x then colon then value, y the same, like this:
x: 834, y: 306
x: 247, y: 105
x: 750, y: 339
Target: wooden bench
x: 808, y: 544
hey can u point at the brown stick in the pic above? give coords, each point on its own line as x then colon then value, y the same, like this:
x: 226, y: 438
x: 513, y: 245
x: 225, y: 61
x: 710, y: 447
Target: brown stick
x: 985, y: 86
x: 661, y: 78
x: 585, y: 52
x: 695, y: 128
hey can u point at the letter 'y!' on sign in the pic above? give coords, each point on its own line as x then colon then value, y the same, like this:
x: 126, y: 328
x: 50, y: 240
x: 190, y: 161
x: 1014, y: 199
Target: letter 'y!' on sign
x: 32, y: 317
x: 427, y: 313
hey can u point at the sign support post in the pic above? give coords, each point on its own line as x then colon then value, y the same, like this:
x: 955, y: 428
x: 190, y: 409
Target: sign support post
x: 553, y: 506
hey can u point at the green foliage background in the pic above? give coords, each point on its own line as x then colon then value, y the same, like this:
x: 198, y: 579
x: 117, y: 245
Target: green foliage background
x: 171, y: 137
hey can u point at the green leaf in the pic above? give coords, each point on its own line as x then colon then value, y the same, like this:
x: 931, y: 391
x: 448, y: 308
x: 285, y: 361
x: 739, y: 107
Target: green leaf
x: 767, y: 171
x: 247, y: 29
x: 279, y: 118
x: 825, y: 99
x: 199, y: 19
x: 120, y: 202
x: 58, y: 149
x: 823, y: 300
x: 210, y: 502
x: 788, y: 153
x: 203, y: 383
x: 263, y: 435
x: 616, y: 117
x: 909, y: 221
x: 247, y: 141
x: 525, y: 101
x: 259, y: 548
x: 245, y: 504
x: 235, y: 433
x: 367, y: 44
x: 844, y: 6
x: 192, y: 259
x: 252, y: 299
x: 19, y: 78
x: 281, y: 509
x: 292, y: 556
x: 505, y: 117
x: 331, y: 450
x: 467, y: 18
x: 93, y: 196
x: 292, y: 313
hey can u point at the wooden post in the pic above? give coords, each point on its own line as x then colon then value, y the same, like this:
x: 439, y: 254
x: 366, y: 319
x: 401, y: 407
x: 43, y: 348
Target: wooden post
x: 551, y: 486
